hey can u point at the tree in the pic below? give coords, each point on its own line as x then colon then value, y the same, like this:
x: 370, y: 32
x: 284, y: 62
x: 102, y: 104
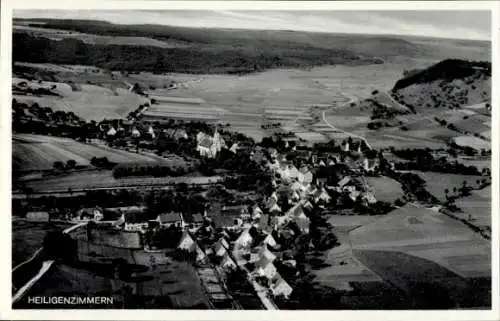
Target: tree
x: 71, y: 164
x: 58, y: 165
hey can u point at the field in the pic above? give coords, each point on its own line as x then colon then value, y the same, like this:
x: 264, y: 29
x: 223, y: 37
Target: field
x: 478, y: 206
x: 105, y: 179
x: 436, y: 183
x: 183, y: 108
x: 35, y: 152
x: 90, y: 102
x: 428, y: 235
x: 385, y: 189
x: 27, y: 237
x: 473, y: 142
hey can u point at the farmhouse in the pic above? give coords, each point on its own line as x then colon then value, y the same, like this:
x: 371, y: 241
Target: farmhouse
x: 170, y: 219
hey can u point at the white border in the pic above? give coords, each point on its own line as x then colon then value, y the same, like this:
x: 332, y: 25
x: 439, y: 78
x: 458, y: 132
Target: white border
x: 5, y: 147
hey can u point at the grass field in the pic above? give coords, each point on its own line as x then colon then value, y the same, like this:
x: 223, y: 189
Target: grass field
x: 429, y: 235
x: 436, y: 183
x: 385, y: 189
x: 90, y: 102
x: 27, y: 237
x: 478, y: 206
x: 105, y: 179
x: 473, y: 142
x: 35, y: 152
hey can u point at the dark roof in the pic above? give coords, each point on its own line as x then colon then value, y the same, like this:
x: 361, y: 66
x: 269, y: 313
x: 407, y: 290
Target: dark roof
x: 197, y: 218
x: 170, y: 217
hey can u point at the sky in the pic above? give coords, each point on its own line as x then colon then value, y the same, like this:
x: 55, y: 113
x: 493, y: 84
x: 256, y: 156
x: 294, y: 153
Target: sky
x: 473, y: 25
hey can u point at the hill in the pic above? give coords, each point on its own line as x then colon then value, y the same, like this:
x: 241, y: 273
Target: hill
x: 451, y: 84
x: 160, y: 48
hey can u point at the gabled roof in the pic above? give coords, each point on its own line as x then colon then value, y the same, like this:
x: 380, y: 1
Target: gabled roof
x: 197, y: 218
x: 296, y: 210
x: 344, y: 181
x: 170, y: 218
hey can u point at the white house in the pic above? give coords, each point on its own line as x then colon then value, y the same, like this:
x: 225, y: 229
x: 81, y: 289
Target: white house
x: 269, y: 240
x: 136, y: 133
x: 228, y: 263
x: 234, y: 148
x: 169, y: 219
x: 265, y: 253
x: 265, y: 267
x: 151, y: 132
x: 244, y: 240
x: 187, y: 243
x: 111, y: 132
x: 280, y: 287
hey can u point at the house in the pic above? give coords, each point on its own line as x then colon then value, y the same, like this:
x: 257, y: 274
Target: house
x: 151, y: 132
x: 269, y: 240
x: 197, y: 220
x: 344, y: 181
x: 263, y: 223
x: 279, y: 287
x: 200, y: 255
x: 38, y: 216
x: 111, y: 132
x: 92, y: 213
x: 234, y: 148
x: 170, y: 219
x: 220, y: 249
x: 228, y: 263
x: 369, y: 164
x: 346, y: 146
x: 305, y: 176
x: 368, y: 198
x: 265, y: 267
x: 265, y: 253
x: 322, y: 195
x: 307, y: 205
x: 274, y: 208
x: 244, y: 240
x: 135, y: 133
x: 187, y: 243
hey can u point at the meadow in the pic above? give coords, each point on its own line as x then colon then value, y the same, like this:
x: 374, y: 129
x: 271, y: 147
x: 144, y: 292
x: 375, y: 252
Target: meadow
x: 436, y: 183
x: 429, y: 235
x: 35, y: 152
x: 385, y: 189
